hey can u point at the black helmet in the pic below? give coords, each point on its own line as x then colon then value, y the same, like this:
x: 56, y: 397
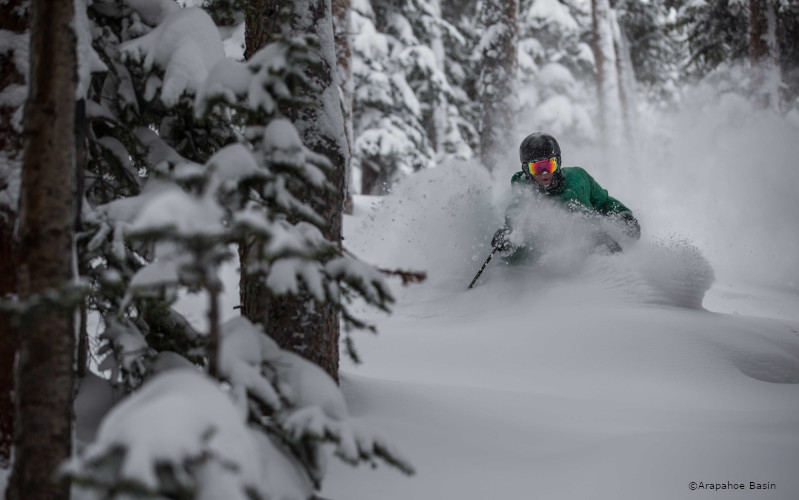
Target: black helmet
x: 539, y: 146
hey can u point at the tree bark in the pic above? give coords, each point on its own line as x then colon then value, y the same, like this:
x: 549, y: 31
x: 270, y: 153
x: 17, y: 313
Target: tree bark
x: 14, y: 19
x: 497, y: 82
x: 626, y: 81
x: 607, y: 81
x: 297, y: 322
x: 343, y: 38
x: 45, y: 374
x: 764, y: 53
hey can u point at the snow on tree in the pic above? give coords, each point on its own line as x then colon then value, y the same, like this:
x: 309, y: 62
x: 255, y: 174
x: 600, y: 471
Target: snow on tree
x: 556, y: 69
x: 723, y: 37
x: 428, y: 70
x: 259, y: 438
x: 655, y: 51
x: 407, y: 113
x: 295, y: 320
x: 390, y: 139
x: 196, y: 158
x: 496, y: 86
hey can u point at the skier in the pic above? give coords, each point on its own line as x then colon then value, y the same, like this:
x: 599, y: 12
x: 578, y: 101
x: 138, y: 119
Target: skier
x: 542, y: 176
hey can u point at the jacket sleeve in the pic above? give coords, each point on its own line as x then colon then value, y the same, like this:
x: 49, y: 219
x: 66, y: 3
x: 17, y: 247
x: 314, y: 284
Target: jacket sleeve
x: 602, y: 201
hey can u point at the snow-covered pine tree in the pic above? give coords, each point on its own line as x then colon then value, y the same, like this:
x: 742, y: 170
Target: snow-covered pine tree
x: 428, y: 66
x: 296, y: 321
x: 266, y: 433
x: 407, y: 113
x: 655, y: 51
x: 719, y: 43
x: 390, y: 139
x: 13, y: 89
x: 716, y: 33
x: 45, y: 378
x: 496, y: 86
x: 141, y: 136
x: 556, y: 69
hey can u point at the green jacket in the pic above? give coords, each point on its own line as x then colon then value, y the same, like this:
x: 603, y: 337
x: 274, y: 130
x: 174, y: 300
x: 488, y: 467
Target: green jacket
x: 577, y: 191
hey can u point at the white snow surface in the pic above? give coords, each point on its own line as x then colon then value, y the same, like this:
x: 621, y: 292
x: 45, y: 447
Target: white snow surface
x: 606, y: 377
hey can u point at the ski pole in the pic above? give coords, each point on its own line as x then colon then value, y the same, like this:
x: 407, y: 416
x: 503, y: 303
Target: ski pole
x: 484, y: 266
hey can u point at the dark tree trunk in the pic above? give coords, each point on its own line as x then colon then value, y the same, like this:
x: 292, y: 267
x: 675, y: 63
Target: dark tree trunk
x: 764, y: 53
x: 497, y: 84
x: 14, y: 19
x: 372, y: 182
x: 758, y: 27
x: 45, y: 368
x: 296, y: 322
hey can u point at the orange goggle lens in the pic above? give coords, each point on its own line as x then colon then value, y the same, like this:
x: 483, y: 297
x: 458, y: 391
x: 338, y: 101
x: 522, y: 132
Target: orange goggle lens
x: 540, y: 167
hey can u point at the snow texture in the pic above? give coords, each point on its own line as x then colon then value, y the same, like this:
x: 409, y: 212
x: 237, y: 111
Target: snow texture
x: 88, y: 60
x: 599, y: 376
x: 185, y: 46
x: 183, y: 419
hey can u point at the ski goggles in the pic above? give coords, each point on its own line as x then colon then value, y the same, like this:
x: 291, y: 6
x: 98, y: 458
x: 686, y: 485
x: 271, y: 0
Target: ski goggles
x: 542, y: 167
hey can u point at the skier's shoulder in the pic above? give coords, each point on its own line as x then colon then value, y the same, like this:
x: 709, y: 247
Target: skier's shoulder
x: 575, y: 172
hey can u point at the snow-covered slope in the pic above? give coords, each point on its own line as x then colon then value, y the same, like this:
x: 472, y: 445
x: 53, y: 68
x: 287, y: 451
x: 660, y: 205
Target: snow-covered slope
x: 606, y: 377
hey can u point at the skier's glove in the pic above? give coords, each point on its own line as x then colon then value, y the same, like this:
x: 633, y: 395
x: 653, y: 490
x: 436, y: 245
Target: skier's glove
x: 500, y: 241
x: 631, y: 226
x: 603, y: 239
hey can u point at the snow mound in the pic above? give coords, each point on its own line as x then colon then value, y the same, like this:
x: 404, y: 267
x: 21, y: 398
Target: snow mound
x: 663, y: 271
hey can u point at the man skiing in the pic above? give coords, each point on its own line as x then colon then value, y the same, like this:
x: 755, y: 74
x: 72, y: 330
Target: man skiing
x: 542, y: 176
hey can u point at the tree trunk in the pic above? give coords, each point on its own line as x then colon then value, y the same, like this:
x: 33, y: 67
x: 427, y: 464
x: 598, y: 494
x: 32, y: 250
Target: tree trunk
x: 626, y: 79
x: 764, y: 53
x: 45, y: 376
x: 497, y: 82
x: 14, y: 19
x: 342, y: 28
x: 610, y: 111
x: 297, y: 323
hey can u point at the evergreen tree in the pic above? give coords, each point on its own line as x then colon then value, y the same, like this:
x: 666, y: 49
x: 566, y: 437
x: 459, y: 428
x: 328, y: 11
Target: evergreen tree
x: 318, y: 118
x: 206, y: 160
x: 556, y: 69
x: 715, y: 33
x: 723, y: 35
x: 655, y: 51
x: 408, y: 115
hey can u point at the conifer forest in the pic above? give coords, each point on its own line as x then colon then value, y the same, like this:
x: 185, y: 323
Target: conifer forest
x: 149, y: 147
